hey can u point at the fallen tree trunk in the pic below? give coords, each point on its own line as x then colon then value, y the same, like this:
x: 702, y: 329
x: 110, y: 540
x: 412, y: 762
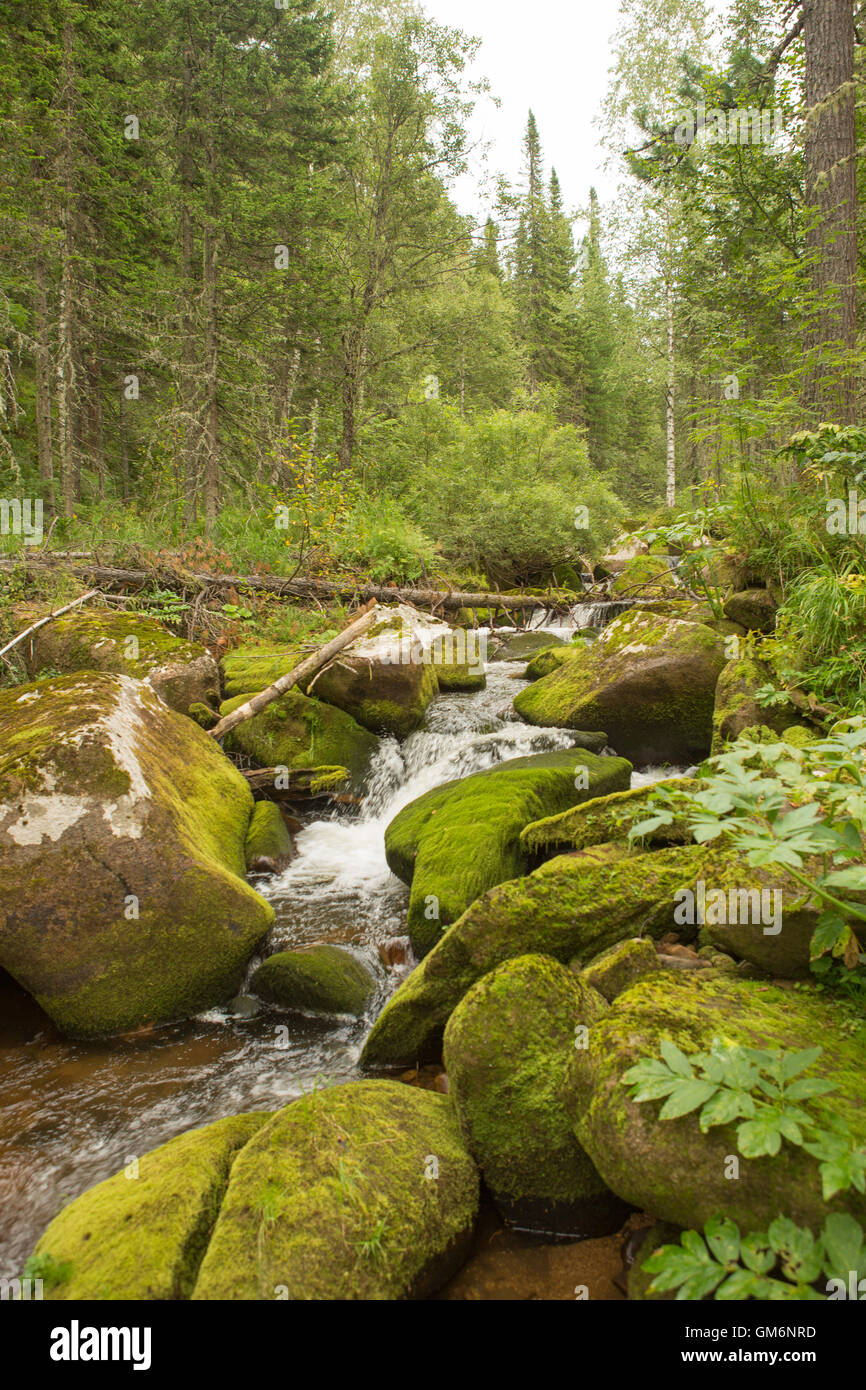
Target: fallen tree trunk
x: 57, y: 612
x: 108, y: 576
x: 301, y: 672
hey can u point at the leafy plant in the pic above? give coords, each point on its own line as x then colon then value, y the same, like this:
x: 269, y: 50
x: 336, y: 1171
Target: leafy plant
x: 762, y: 1090
x: 781, y: 1263
x: 802, y: 810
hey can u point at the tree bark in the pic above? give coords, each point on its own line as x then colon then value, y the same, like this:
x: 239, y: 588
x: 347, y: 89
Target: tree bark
x: 831, y: 199
x: 43, y: 382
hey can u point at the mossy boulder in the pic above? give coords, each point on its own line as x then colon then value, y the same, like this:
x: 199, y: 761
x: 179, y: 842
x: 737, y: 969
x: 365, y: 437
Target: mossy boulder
x: 318, y: 979
x: 507, y: 1050
x: 182, y: 673
x: 141, y: 1234
x: 386, y: 678
x: 297, y: 733
x: 522, y: 646
x: 753, y: 609
x: 122, y: 837
x: 576, y: 905
x: 268, y: 847
x: 736, y: 707
x: 456, y: 841
x: 551, y: 658
x: 644, y: 575
x: 605, y: 820
x: 668, y: 1167
x: 620, y: 966
x: 247, y: 670
x: 648, y: 681
x: 363, y: 1191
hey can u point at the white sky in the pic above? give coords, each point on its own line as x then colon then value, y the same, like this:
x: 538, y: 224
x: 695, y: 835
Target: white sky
x: 551, y: 56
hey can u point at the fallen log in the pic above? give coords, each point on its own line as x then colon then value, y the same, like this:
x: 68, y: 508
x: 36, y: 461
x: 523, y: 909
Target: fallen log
x: 301, y: 672
x: 56, y: 613
x: 109, y: 576
x: 287, y: 783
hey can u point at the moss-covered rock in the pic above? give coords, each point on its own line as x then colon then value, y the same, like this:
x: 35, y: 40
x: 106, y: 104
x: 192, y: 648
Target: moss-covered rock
x: 522, y: 646
x: 605, y: 820
x: 142, y: 1233
x: 181, y: 673
x: 669, y: 1167
x: 644, y: 575
x: 576, y: 905
x: 268, y: 846
x: 620, y: 966
x: 507, y: 1049
x: 753, y: 609
x: 247, y: 670
x: 297, y: 732
x: 386, y: 678
x: 648, y: 681
x: 456, y: 841
x: 736, y: 707
x: 317, y: 979
x: 551, y: 658
x: 122, y: 832
x: 362, y: 1191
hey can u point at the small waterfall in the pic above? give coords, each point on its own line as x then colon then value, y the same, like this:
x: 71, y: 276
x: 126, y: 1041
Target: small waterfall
x: 598, y: 615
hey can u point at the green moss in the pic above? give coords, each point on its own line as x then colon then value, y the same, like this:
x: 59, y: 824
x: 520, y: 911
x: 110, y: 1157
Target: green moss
x: 648, y: 681
x: 572, y: 906
x: 296, y: 731
x: 173, y: 842
x: 268, y: 836
x: 621, y: 966
x: 320, y: 979
x: 247, y: 670
x: 551, y: 658
x: 604, y: 820
x: 143, y: 1236
x: 736, y: 707
x: 668, y: 1167
x: 362, y: 1191
x: 644, y: 574
x: 459, y: 839
x: 507, y: 1049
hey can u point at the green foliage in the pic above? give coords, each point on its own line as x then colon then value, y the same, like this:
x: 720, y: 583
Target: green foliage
x: 761, y: 1090
x: 783, y: 806
x: 784, y: 1262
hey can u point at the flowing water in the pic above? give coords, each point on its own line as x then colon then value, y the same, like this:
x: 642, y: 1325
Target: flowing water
x: 74, y: 1113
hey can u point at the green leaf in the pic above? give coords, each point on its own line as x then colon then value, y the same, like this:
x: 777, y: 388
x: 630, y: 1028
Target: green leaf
x: 687, y: 1096
x: 756, y: 1252
x: 723, y: 1238
x: 842, y: 1238
x: 676, y: 1060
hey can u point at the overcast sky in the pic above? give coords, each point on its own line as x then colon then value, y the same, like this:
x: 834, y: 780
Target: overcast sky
x: 551, y: 56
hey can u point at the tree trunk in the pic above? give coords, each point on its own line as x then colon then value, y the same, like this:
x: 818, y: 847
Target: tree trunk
x: 831, y: 198
x: 670, y: 401
x: 43, y: 383
x: 66, y: 304
x: 188, y: 389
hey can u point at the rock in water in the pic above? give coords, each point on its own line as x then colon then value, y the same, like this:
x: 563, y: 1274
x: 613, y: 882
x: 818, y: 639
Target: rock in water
x: 122, y: 830
x: 141, y: 1234
x: 321, y: 979
x: 387, y: 678
x: 458, y: 840
x: 298, y: 733
x: 181, y: 673
x: 507, y: 1050
x: 648, y: 681
x: 572, y: 906
x: 668, y: 1167
x: 363, y: 1191
x: 268, y: 848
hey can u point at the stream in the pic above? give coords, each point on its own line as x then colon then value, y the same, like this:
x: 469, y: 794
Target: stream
x: 74, y: 1113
